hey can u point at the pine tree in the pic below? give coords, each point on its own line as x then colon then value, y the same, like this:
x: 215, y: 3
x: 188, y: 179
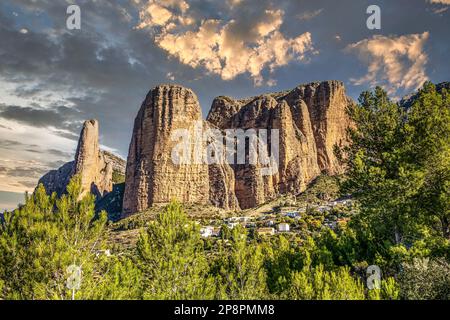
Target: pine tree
x: 172, y: 259
x: 239, y: 271
x: 54, y: 248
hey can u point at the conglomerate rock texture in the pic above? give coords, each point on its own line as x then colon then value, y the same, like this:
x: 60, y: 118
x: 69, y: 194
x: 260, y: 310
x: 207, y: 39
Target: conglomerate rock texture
x: 151, y: 175
x: 311, y: 121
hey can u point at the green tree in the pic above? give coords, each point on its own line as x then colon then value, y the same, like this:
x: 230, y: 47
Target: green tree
x: 318, y: 284
x: 239, y: 271
x: 172, y: 259
x: 425, y: 279
x: 42, y: 239
x: 399, y: 169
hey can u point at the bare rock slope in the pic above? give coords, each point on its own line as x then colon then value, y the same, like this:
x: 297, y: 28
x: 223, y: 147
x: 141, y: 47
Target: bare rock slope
x: 311, y: 120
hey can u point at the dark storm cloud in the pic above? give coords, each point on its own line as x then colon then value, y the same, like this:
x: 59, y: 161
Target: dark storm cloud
x: 11, y: 144
x: 106, y: 68
x: 34, y: 117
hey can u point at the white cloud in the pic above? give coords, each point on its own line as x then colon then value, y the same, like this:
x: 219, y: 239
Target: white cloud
x: 440, y: 9
x: 393, y: 62
x: 228, y: 47
x: 440, y: 1
x: 170, y: 76
x: 23, y: 163
x: 308, y: 15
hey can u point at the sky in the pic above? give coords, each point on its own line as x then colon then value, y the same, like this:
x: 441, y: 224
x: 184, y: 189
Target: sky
x: 53, y: 78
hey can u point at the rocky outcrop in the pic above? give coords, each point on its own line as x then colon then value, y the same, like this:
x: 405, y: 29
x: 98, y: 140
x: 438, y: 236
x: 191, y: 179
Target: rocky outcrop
x: 151, y: 175
x: 95, y: 167
x: 311, y: 120
x: 57, y: 180
x: 117, y: 163
x: 221, y: 178
x: 90, y: 164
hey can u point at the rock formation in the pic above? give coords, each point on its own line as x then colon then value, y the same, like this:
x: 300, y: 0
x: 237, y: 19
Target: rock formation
x: 90, y: 164
x: 151, y: 175
x: 57, y: 180
x: 95, y: 167
x: 311, y: 120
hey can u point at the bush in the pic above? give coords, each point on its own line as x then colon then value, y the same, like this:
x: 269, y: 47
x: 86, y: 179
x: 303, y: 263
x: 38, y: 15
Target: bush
x: 425, y: 279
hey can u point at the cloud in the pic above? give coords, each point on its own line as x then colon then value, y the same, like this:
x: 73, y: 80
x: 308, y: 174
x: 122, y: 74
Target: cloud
x: 440, y: 9
x: 36, y: 117
x: 10, y: 200
x: 248, y: 41
x: 308, y: 15
x: 440, y: 1
x: 394, y: 62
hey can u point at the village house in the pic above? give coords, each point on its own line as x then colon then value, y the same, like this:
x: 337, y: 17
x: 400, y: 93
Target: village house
x: 206, y: 232
x: 210, y: 231
x: 231, y: 225
x: 283, y: 227
x: 266, y: 231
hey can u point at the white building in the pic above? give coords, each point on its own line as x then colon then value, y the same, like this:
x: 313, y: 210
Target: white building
x: 283, y: 227
x: 206, y: 232
x: 266, y: 231
x: 231, y: 225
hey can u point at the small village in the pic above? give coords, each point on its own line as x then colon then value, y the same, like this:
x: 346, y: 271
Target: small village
x: 285, y: 218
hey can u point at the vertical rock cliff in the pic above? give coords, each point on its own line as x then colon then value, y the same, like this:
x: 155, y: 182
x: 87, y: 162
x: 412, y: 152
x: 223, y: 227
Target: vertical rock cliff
x: 311, y: 120
x: 151, y: 175
x: 94, y: 169
x: 90, y: 164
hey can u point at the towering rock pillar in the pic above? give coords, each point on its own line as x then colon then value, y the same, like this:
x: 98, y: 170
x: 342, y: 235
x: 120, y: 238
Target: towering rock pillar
x: 311, y: 120
x: 151, y: 175
x: 90, y: 164
x: 327, y: 107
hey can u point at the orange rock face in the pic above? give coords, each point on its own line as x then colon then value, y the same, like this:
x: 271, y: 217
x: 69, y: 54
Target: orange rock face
x: 310, y: 120
x: 90, y: 164
x: 151, y: 175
